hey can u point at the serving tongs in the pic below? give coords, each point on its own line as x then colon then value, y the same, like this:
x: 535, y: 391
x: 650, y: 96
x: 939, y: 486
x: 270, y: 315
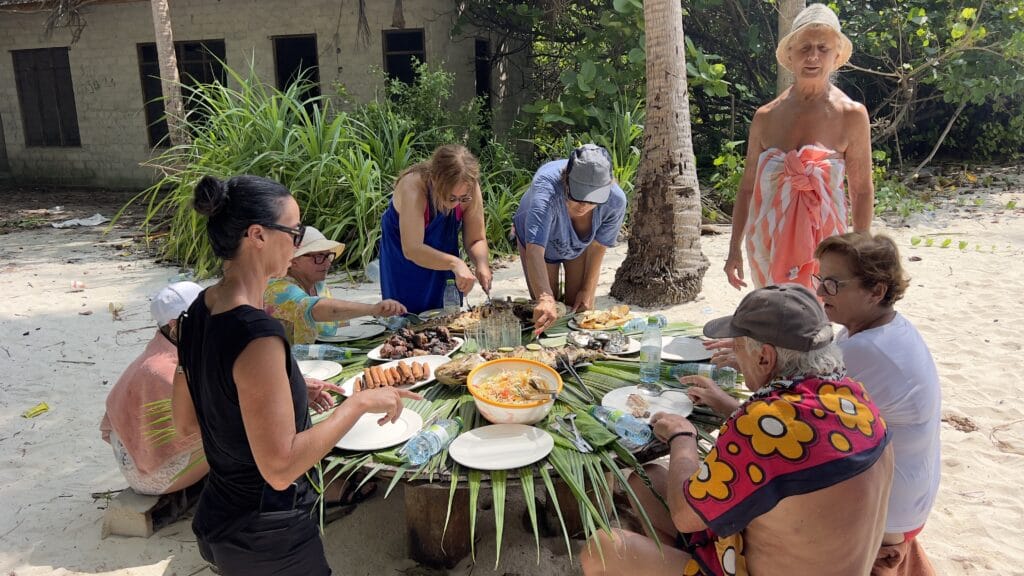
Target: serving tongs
x: 566, y: 426
x: 564, y: 365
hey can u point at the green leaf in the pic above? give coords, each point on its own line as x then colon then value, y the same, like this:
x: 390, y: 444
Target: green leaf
x: 473, y: 479
x: 546, y: 476
x: 958, y: 30
x: 498, y: 484
x: 947, y: 242
x: 530, y: 496
x: 968, y: 13
x: 587, y: 72
x: 636, y: 56
x: 915, y: 240
x: 963, y: 244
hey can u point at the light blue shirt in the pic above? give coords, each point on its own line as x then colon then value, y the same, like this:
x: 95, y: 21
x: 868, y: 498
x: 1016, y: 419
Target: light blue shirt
x: 543, y: 217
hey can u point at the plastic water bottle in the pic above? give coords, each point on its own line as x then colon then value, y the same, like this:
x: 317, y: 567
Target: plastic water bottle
x: 321, y: 352
x: 634, y: 433
x: 650, y: 352
x: 452, y: 297
x: 640, y: 324
x: 724, y: 376
x: 430, y: 440
x: 373, y: 271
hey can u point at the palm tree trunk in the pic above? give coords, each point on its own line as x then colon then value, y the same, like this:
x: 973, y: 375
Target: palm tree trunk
x: 788, y: 9
x: 664, y: 264
x: 170, y: 82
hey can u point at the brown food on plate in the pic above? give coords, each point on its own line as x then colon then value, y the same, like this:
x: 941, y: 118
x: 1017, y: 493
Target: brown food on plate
x: 424, y: 371
x: 358, y: 384
x: 638, y: 406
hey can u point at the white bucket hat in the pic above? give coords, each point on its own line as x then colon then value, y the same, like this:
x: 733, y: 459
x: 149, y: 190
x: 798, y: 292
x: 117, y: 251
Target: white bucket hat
x: 172, y: 300
x: 817, y: 15
x: 315, y: 241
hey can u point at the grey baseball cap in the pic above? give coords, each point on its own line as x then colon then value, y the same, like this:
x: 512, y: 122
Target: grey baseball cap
x: 785, y: 315
x: 590, y: 174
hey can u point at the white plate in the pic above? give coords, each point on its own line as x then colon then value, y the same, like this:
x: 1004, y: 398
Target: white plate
x: 501, y: 446
x: 319, y: 369
x: 375, y: 353
x: 574, y: 326
x: 432, y: 361
x: 632, y: 347
x: 684, y: 349
x: 673, y: 402
x: 367, y: 435
x: 353, y: 332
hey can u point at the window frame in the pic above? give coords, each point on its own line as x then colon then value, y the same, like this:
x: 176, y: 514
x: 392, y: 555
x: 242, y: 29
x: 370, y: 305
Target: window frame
x: 420, y: 54
x: 64, y: 110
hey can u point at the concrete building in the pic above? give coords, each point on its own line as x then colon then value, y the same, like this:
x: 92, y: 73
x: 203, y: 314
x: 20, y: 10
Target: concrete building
x: 74, y: 111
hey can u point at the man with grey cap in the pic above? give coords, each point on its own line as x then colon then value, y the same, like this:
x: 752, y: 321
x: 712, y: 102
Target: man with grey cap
x: 571, y: 214
x: 798, y: 479
x: 152, y: 467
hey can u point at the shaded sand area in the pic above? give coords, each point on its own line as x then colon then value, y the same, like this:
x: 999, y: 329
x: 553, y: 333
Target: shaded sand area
x: 67, y: 346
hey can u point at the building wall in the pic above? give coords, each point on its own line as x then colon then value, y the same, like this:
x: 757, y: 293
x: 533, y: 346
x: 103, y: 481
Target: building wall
x: 108, y: 91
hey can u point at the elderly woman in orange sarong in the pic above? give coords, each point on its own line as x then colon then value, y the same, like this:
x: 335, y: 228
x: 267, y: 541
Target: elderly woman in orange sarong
x: 801, y: 148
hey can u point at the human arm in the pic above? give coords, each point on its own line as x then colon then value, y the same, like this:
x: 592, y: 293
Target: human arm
x: 474, y: 238
x: 741, y: 207
x: 411, y: 202
x: 704, y: 392
x: 858, y: 167
x: 264, y: 396
x: 183, y: 412
x: 545, y: 312
x: 683, y: 463
x: 333, y: 310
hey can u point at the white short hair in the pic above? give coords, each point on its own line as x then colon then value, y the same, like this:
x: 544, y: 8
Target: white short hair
x: 794, y: 363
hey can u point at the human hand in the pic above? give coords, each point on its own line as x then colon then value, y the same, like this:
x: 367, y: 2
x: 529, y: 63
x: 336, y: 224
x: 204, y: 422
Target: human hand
x: 388, y: 308
x: 584, y: 301
x: 724, y: 354
x: 665, y: 424
x: 544, y: 314
x: 734, y: 269
x: 484, y: 276
x: 318, y: 393
x: 704, y: 392
x: 386, y: 400
x: 464, y: 279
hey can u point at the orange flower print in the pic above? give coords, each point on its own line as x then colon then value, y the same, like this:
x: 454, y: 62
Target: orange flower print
x: 773, y: 427
x: 712, y: 478
x: 850, y: 410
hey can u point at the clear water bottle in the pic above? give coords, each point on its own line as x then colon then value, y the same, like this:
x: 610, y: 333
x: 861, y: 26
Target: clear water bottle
x: 650, y: 353
x: 430, y: 440
x: 633, y: 433
x: 373, y: 271
x: 724, y: 376
x: 637, y: 325
x: 452, y: 297
x: 321, y: 352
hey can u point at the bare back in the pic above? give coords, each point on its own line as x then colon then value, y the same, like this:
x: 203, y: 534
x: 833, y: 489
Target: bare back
x: 836, y: 531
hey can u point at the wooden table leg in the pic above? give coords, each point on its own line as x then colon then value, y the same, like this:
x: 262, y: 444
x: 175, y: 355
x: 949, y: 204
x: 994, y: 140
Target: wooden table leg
x: 426, y: 506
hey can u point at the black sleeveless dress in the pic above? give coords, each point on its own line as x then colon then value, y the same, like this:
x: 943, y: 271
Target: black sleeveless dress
x: 244, y: 526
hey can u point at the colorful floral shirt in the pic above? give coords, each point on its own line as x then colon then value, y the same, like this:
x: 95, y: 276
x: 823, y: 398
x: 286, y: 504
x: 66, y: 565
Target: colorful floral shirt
x: 285, y: 300
x: 792, y: 437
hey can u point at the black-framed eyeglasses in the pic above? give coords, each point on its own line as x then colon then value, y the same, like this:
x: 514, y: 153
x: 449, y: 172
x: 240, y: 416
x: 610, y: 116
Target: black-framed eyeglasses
x: 297, y: 233
x: 461, y: 199
x: 830, y: 285
x: 320, y: 258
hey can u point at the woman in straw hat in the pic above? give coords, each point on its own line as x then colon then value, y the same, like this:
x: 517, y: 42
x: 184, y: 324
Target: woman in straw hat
x: 302, y: 301
x: 801, y: 146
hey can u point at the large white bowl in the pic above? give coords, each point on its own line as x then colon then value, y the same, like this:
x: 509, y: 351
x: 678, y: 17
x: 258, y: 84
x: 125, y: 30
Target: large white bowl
x: 500, y: 413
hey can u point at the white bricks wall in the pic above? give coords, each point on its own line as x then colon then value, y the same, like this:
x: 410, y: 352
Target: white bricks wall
x: 108, y: 92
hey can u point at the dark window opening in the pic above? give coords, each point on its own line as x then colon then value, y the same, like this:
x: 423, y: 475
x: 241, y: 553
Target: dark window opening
x: 198, y: 63
x: 296, y: 57
x: 402, y: 49
x: 482, y: 63
x: 46, y: 96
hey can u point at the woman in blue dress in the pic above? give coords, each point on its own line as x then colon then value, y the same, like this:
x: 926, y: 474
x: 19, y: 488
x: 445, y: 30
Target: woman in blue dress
x: 419, y: 248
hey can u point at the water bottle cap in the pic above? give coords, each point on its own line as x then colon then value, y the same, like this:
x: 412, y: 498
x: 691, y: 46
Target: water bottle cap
x: 451, y: 281
x: 652, y: 320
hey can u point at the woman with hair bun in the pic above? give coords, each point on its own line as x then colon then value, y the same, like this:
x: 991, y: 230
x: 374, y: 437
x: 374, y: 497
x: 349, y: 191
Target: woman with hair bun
x: 434, y: 201
x: 243, y: 391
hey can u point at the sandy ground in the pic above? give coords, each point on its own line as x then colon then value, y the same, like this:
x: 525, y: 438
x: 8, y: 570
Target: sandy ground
x: 67, y: 348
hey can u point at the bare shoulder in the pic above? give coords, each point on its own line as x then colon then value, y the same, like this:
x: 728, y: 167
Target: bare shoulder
x: 410, y: 191
x: 852, y: 111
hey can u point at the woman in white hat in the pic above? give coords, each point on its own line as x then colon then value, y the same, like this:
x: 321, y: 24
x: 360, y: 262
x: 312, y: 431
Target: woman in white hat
x: 302, y: 301
x: 803, y: 147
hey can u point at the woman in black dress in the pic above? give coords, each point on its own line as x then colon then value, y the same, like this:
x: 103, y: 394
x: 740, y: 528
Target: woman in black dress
x: 243, y: 391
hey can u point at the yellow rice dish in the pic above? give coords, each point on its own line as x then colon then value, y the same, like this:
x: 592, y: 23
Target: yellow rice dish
x: 510, y: 387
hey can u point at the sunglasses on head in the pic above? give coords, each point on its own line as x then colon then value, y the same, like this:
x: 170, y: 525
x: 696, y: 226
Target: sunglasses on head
x: 297, y: 233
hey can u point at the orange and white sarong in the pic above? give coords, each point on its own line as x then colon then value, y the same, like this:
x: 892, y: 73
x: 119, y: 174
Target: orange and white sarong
x: 798, y: 201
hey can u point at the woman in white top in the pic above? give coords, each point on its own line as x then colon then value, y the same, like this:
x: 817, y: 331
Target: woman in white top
x: 860, y: 279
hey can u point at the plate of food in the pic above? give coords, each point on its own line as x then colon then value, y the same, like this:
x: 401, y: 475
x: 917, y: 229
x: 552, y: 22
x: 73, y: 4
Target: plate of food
x: 353, y: 332
x: 366, y: 434
x: 684, y: 349
x: 408, y: 344
x: 609, y: 342
x: 614, y: 317
x: 411, y: 373
x: 319, y: 369
x: 631, y: 400
x: 501, y: 446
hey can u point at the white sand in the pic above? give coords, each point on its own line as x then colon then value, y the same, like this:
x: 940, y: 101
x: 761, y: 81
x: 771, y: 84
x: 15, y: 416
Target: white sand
x: 968, y: 305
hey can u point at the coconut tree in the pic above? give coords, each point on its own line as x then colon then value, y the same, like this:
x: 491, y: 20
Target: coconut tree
x: 170, y: 83
x: 664, y: 264
x: 788, y: 9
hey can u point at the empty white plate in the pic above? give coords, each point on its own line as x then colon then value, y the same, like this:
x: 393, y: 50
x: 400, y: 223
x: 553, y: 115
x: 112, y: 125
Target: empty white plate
x: 672, y: 402
x: 684, y: 349
x: 501, y: 446
x: 353, y: 332
x: 319, y: 369
x: 432, y: 361
x: 367, y: 435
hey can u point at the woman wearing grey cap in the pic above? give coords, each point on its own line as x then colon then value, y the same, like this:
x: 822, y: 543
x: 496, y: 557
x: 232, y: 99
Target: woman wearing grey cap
x: 571, y: 214
x: 802, y: 147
